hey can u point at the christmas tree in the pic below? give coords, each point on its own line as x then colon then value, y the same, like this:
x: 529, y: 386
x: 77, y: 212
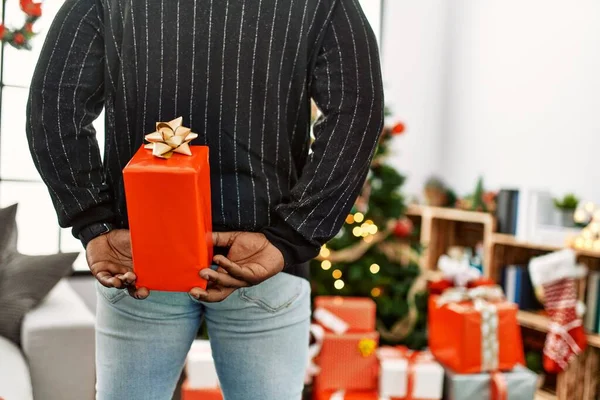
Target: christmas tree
x: 373, y: 255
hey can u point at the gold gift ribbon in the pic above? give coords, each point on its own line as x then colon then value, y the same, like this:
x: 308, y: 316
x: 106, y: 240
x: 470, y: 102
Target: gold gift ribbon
x: 170, y: 137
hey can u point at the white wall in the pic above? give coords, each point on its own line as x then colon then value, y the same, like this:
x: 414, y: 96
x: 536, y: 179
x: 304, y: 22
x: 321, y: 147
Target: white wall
x: 522, y: 106
x: 516, y: 98
x: 413, y: 53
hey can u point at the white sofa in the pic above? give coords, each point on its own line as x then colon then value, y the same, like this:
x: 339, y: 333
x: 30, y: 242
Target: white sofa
x: 57, y: 357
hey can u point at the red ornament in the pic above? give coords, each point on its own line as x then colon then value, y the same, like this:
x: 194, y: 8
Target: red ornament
x: 19, y: 38
x: 398, y: 129
x: 30, y: 8
x: 2, y: 31
x: 29, y: 27
x: 403, y: 228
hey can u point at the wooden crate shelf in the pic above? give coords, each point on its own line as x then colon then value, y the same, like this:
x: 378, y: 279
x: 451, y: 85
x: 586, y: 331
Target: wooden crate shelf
x: 441, y: 228
x: 540, y: 323
x: 542, y: 394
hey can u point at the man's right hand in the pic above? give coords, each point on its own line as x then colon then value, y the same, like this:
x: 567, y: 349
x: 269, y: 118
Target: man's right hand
x: 109, y: 258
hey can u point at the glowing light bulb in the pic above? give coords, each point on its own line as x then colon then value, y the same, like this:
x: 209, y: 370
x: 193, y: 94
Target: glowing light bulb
x: 326, y: 264
x: 325, y: 252
x: 589, y: 244
x: 350, y: 219
x: 586, y: 233
x: 580, y: 216
x: 597, y: 245
x: 376, y: 292
x: 590, y: 207
x: 359, y: 217
x: 337, y: 274
x: 374, y: 268
x: 357, y: 231
x: 373, y: 229
x: 369, y: 222
x: 579, y: 243
x: 339, y: 284
x: 597, y: 215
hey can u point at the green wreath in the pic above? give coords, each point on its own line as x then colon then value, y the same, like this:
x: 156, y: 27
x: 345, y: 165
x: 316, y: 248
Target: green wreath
x: 19, y: 38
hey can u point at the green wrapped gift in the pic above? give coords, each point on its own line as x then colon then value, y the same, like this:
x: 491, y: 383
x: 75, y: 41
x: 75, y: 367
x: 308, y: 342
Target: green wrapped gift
x: 519, y: 384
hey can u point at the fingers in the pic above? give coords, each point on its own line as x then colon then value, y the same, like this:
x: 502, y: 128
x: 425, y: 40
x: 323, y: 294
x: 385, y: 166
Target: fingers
x: 107, y: 279
x: 214, y: 294
x: 221, y: 278
x: 139, y: 293
x: 224, y: 239
x: 235, y: 270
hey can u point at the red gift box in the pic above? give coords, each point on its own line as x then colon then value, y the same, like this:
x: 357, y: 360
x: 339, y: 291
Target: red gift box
x: 200, y: 394
x: 343, y: 395
x: 438, y: 287
x: 348, y: 362
x: 474, y: 330
x: 345, y: 314
x: 169, y: 211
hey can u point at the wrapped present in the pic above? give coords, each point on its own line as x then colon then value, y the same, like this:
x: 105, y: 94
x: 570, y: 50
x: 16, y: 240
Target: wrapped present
x: 406, y: 374
x: 348, y: 362
x: 346, y: 395
x: 169, y: 210
x: 345, y: 314
x: 475, y: 330
x: 518, y: 384
x: 187, y: 393
x: 200, y: 366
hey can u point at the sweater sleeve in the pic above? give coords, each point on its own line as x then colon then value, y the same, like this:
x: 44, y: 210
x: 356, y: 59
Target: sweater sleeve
x: 66, y: 96
x: 346, y: 86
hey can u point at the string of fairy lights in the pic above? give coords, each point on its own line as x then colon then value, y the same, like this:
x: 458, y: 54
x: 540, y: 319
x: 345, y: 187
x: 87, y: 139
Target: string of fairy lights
x: 589, y: 238
x: 362, y: 229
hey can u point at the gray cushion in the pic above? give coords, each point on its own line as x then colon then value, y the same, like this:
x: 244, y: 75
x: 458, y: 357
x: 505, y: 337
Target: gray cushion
x: 24, y: 280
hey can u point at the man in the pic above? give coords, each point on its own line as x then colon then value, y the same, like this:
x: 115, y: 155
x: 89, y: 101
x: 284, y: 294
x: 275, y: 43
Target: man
x: 241, y: 73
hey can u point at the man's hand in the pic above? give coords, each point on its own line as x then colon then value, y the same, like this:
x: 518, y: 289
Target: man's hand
x: 109, y: 259
x: 251, y: 259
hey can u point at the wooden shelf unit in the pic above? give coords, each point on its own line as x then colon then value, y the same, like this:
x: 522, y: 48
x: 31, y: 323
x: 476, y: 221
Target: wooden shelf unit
x: 445, y: 227
x: 540, y: 323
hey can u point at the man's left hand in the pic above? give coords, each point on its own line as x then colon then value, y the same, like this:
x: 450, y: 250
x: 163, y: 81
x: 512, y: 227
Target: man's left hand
x: 251, y: 259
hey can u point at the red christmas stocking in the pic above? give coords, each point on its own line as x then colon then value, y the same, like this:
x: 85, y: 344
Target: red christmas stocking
x: 566, y: 338
x: 556, y: 274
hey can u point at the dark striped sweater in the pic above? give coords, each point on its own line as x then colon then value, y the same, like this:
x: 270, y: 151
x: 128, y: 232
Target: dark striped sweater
x: 241, y: 73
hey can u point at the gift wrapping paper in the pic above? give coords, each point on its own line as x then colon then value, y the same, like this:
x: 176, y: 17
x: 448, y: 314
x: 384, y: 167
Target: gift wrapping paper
x: 200, y: 367
x: 475, y: 336
x: 345, y: 314
x: 169, y: 211
x: 348, y: 362
x: 346, y: 395
x: 520, y: 384
x: 188, y: 393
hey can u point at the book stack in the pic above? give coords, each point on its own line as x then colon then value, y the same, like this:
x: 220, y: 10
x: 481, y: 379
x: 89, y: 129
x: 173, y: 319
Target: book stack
x: 517, y: 286
x: 592, y: 303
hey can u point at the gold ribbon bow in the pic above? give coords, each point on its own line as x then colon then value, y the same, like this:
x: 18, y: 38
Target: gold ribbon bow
x: 170, y: 137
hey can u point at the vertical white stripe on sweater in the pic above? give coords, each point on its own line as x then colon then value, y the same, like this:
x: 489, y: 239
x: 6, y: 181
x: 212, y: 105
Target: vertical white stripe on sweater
x: 264, y: 117
x: 235, y: 124
x: 220, y: 133
x: 250, y: 107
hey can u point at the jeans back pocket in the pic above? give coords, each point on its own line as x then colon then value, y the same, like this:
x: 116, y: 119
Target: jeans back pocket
x: 274, y: 294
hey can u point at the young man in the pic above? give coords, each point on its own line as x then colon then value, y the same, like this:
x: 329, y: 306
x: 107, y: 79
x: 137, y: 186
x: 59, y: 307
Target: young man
x: 241, y: 73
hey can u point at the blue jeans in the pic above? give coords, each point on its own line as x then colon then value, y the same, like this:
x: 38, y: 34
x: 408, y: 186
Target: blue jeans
x: 258, y: 335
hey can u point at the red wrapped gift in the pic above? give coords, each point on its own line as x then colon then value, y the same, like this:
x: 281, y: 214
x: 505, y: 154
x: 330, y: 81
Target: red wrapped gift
x: 438, y: 287
x: 343, y: 395
x: 200, y: 394
x: 348, y: 362
x: 475, y: 330
x: 169, y: 210
x: 345, y: 314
